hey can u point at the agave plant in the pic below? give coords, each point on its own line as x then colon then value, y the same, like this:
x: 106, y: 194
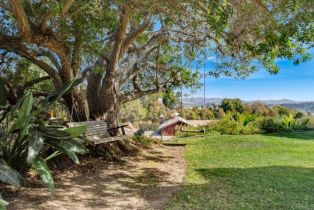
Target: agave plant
x: 245, y: 119
x: 289, y: 121
x: 25, y: 139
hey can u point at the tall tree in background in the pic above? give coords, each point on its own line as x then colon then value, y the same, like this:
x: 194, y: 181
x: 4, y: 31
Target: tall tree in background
x: 127, y: 49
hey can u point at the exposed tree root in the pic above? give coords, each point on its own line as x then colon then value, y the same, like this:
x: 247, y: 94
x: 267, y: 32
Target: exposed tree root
x: 115, y: 150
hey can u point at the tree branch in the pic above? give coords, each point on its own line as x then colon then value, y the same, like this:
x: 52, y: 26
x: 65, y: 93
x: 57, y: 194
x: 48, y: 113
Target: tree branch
x: 124, y: 20
x: 66, y: 7
x: 35, y: 81
x: 42, y: 39
x: 76, y: 51
x: 132, y: 36
x: 12, y: 95
x: 127, y: 65
x: 51, y: 57
x: 261, y: 4
x: 137, y: 93
x: 22, y: 21
x: 136, y: 86
x: 44, y: 22
x: 130, y: 96
x: 15, y: 45
x: 32, y: 9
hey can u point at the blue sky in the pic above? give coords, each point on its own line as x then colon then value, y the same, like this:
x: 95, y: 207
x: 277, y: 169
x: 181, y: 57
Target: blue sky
x: 294, y: 82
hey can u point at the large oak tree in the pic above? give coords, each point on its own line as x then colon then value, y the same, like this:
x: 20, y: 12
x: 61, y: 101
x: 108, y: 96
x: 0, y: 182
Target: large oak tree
x: 124, y: 49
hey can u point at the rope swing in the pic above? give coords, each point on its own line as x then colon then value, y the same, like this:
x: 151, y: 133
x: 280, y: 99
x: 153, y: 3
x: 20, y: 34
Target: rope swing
x: 204, y: 100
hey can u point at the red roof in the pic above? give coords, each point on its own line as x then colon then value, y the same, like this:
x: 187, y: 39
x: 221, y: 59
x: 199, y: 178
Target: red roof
x: 174, y: 121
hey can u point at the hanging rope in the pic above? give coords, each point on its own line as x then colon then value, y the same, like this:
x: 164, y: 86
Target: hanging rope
x: 204, y: 89
x: 192, y: 131
x: 71, y: 113
x: 72, y: 109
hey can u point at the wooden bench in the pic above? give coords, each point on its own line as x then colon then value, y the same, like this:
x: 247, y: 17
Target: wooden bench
x: 98, y: 131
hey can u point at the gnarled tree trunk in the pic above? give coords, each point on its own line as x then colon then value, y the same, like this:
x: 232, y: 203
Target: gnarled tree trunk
x: 77, y: 106
x: 103, y: 98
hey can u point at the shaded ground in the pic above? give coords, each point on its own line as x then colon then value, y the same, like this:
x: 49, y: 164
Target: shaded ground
x: 146, y: 181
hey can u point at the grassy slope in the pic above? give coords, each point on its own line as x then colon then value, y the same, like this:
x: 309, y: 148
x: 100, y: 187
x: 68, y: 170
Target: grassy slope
x: 249, y: 172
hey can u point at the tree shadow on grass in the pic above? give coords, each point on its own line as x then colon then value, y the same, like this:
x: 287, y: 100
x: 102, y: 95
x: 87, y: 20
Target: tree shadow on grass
x: 301, y: 135
x: 273, y: 187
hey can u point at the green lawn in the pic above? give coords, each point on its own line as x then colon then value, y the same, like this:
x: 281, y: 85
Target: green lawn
x: 248, y: 172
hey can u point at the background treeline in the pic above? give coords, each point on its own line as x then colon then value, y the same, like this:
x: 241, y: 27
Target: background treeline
x: 232, y: 116
x: 241, y: 118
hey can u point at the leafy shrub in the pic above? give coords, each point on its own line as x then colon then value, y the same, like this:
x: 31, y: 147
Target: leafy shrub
x: 289, y: 121
x: 145, y: 140
x: 303, y: 124
x: 25, y: 140
x: 245, y: 119
x: 252, y: 128
x: 269, y: 125
x: 235, y: 123
x: 140, y: 132
x: 226, y: 126
x: 141, y: 138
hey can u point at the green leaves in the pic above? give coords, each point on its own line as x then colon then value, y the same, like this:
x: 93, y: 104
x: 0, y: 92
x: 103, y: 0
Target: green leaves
x: 42, y: 169
x: 56, y: 95
x: 63, y: 140
x: 289, y: 121
x: 3, y: 203
x: 54, y: 133
x: 8, y: 175
x: 169, y: 99
x: 244, y: 119
x: 69, y: 147
x: 74, y: 146
x: 76, y: 131
x: 23, y: 113
x: 35, y: 144
x: 26, y: 136
x: 64, y: 149
x: 3, y: 94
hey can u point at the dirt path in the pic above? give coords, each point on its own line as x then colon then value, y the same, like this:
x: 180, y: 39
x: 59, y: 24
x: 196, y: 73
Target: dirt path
x: 146, y: 181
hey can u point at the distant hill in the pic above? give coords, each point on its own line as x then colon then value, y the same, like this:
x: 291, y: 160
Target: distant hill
x: 304, y: 106
x: 199, y: 101
x: 275, y: 102
x: 301, y: 106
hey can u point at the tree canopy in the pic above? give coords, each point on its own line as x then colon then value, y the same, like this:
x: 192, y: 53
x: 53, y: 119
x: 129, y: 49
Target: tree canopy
x: 124, y: 49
